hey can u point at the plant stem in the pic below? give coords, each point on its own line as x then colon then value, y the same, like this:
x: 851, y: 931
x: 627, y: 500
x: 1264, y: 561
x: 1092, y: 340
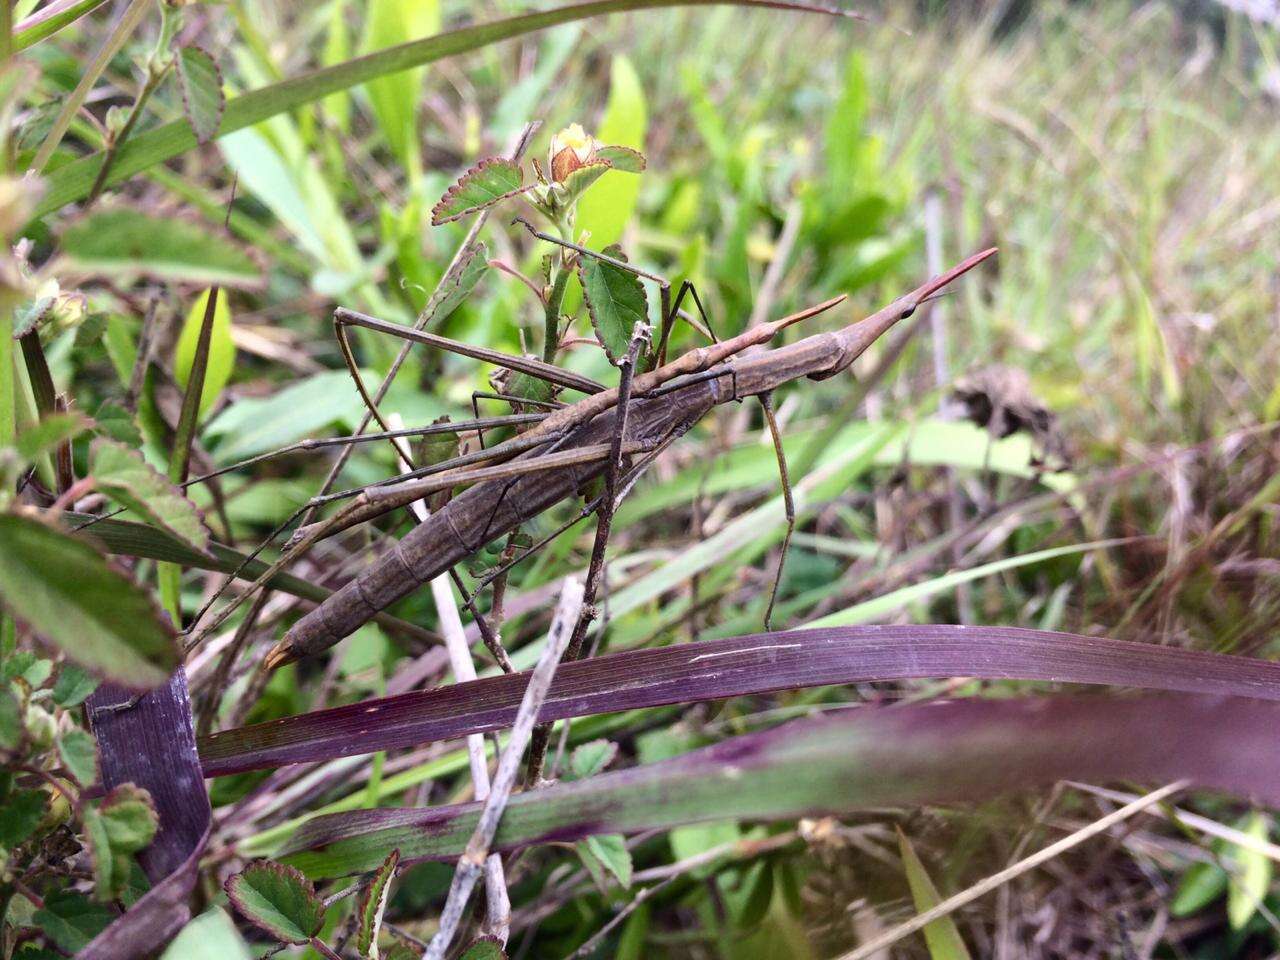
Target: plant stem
x: 551, y: 323
x: 124, y: 28
x: 154, y: 76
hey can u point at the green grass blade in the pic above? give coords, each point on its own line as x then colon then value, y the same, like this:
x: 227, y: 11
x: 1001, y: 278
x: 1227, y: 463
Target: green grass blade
x: 73, y: 181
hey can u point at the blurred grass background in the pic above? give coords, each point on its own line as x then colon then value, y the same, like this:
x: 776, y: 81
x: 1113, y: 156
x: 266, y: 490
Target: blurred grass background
x: 1125, y: 158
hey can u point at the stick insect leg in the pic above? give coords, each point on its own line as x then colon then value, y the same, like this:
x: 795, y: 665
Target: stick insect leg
x: 669, y: 315
x: 766, y: 404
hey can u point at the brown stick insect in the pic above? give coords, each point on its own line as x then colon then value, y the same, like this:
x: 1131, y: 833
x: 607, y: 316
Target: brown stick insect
x: 552, y: 450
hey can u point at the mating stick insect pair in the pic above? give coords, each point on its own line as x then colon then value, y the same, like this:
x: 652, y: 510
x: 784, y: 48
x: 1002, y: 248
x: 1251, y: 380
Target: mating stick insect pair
x: 551, y: 454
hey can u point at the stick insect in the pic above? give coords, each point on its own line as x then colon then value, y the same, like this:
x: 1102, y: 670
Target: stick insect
x: 561, y: 448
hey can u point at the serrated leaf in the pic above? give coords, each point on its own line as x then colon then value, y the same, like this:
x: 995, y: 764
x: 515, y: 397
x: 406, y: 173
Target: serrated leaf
x: 123, y: 243
x: 588, y: 759
x: 579, y: 180
x: 108, y: 878
x: 622, y: 158
x: 1252, y: 878
x: 222, y: 349
x: 20, y: 814
x: 79, y: 754
x: 52, y: 430
x: 71, y: 920
x: 485, y: 184
x: 483, y: 948
x: 279, y: 899
x: 130, y: 818
x: 372, y: 904
x: 615, y: 300
x: 458, y: 286
x: 123, y: 475
x: 26, y: 664
x: 30, y: 315
x: 203, y: 101
x: 941, y: 936
x: 210, y: 936
x: 68, y: 593
x: 114, y: 421
x: 606, y: 851
x: 73, y: 686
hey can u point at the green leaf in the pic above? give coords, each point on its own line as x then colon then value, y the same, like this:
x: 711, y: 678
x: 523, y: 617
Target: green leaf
x: 222, y: 349
x: 11, y: 726
x: 202, y: 98
x: 73, y: 686
x: 485, y: 184
x: 577, y: 182
x: 210, y: 936
x: 1252, y: 878
x: 395, y: 98
x: 20, y: 814
x: 79, y: 754
x: 588, y: 759
x: 605, y: 211
x: 66, y: 591
x: 49, y: 21
x: 1201, y: 885
x: 606, y: 851
x: 372, y: 904
x: 123, y: 243
x: 484, y: 948
x: 71, y: 920
x: 615, y: 300
x: 123, y: 475
x: 941, y: 936
x: 622, y: 158
x: 53, y: 430
x: 114, y: 421
x: 455, y: 288
x: 72, y: 181
x: 278, y: 899
x: 110, y: 869
x: 130, y: 818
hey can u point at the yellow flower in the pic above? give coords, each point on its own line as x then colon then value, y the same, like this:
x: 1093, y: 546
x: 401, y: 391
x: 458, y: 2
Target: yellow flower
x: 571, y: 148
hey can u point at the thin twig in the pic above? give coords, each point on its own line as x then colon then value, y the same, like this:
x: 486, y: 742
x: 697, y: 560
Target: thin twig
x: 996, y: 880
x: 477, y: 850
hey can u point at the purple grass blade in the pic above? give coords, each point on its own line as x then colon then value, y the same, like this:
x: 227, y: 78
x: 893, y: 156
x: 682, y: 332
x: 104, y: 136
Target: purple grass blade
x: 151, y: 743
x: 958, y: 750
x: 738, y: 666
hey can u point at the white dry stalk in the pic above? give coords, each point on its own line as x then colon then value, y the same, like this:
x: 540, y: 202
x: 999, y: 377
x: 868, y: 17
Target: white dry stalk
x: 469, y: 864
x: 464, y: 671
x: 996, y: 880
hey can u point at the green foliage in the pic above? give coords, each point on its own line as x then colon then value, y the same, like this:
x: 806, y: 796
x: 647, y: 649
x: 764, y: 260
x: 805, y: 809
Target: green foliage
x: 1253, y: 878
x: 278, y: 899
x: 608, y: 208
x: 222, y: 349
x: 67, y: 592
x: 606, y: 852
x: 395, y: 98
x: 202, y: 98
x: 124, y: 243
x: 372, y: 904
x: 485, y: 184
x: 127, y: 478
x: 79, y: 755
x: 51, y: 431
x: 615, y: 300
x: 20, y: 813
x: 210, y: 936
x: 73, y: 686
x: 484, y: 948
x: 71, y: 920
x: 941, y: 936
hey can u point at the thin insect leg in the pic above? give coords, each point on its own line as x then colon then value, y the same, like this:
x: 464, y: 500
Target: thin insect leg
x: 669, y: 316
x: 512, y: 398
x: 604, y: 527
x: 475, y: 411
x: 325, y: 442
x: 349, y: 358
x: 594, y: 254
x: 536, y: 368
x: 491, y: 640
x: 766, y: 404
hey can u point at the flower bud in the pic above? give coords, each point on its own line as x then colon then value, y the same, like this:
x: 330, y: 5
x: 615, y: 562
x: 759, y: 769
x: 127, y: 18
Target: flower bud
x: 571, y: 148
